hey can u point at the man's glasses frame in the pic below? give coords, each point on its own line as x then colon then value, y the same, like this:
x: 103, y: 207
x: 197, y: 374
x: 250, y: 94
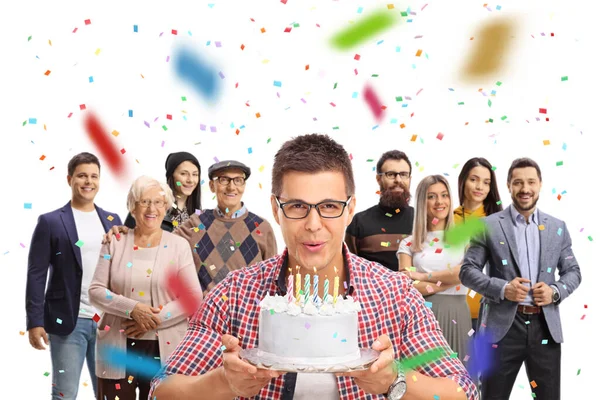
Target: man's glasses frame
x: 225, y: 180
x: 391, y: 175
x: 344, y: 204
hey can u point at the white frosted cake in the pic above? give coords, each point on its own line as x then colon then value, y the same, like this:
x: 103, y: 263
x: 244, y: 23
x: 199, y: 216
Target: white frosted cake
x: 311, y: 333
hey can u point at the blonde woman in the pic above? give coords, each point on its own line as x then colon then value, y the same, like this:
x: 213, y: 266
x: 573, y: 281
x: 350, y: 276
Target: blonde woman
x: 130, y: 287
x: 437, y: 267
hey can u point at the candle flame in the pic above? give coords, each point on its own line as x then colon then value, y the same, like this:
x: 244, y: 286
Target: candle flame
x: 315, y: 269
x: 335, y: 269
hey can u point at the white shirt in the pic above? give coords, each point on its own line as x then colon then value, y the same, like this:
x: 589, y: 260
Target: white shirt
x: 90, y: 231
x: 316, y: 386
x: 141, y: 275
x: 435, y: 257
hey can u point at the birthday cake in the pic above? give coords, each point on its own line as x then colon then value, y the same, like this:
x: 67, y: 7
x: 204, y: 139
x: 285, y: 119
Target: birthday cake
x: 313, y: 332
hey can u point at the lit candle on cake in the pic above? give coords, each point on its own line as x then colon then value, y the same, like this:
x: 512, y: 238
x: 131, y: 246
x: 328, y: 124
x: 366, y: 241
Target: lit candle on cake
x: 306, y: 288
x: 298, y: 284
x: 290, y: 287
x: 315, y: 286
x: 336, y: 284
x: 325, y: 289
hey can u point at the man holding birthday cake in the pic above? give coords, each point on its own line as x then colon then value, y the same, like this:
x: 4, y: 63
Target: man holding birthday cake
x: 315, y: 320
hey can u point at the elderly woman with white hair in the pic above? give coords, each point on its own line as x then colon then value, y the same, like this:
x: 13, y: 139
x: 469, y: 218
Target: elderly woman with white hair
x: 141, y: 314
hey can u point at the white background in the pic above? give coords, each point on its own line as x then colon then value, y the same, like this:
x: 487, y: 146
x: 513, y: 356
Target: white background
x: 531, y: 79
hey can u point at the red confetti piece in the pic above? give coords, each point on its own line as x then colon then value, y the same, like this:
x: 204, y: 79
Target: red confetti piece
x: 169, y: 116
x: 174, y: 31
x: 306, y: 67
x: 438, y: 251
x: 440, y: 136
x: 543, y: 111
x: 74, y: 30
x: 87, y: 21
x: 288, y: 29
x: 189, y: 301
x: 373, y: 102
x: 103, y: 142
x: 242, y: 47
x: 82, y: 106
x: 357, y: 57
x: 96, y: 318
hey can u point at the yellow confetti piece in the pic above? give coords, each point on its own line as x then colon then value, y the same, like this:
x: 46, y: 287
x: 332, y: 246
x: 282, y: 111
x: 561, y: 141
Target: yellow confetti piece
x: 413, y: 138
x: 142, y: 75
x: 414, y: 378
x: 261, y: 168
x: 385, y: 244
x: 225, y: 298
x: 419, y: 52
x: 110, y: 218
x: 546, y: 142
x: 196, y: 229
x: 390, y: 6
x: 265, y: 61
x: 115, y: 133
x: 21, y: 333
x: 541, y: 227
x: 97, y: 51
x: 260, y: 185
x: 459, y: 389
x: 141, y: 294
x: 258, y: 115
x: 50, y: 42
x: 85, y: 384
x: 175, y: 223
x: 45, y: 127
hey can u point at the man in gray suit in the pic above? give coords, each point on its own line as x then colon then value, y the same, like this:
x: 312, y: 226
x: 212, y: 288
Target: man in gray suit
x: 524, y: 248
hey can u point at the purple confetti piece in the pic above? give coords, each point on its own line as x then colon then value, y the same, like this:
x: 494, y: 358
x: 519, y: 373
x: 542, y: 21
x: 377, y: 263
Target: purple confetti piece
x: 302, y: 100
x: 155, y: 119
x: 147, y: 124
x: 314, y: 118
x: 216, y: 159
x: 454, y: 322
x: 218, y: 44
x: 160, y: 34
x: 168, y: 58
x: 543, y: 34
x: 162, y: 144
x: 408, y: 97
x: 581, y: 230
x: 22, y: 245
x: 345, y: 285
x: 221, y: 75
x: 202, y: 127
x: 537, y: 119
x: 213, y: 128
x: 307, y: 325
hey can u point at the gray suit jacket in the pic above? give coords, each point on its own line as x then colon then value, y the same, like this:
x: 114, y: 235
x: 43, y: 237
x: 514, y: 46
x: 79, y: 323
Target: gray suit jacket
x: 499, y: 243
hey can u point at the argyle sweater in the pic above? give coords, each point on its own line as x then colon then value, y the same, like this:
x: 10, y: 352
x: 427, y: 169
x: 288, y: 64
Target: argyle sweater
x: 220, y: 245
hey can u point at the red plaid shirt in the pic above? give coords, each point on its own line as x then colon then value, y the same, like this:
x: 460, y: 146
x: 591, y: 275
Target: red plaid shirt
x: 390, y: 305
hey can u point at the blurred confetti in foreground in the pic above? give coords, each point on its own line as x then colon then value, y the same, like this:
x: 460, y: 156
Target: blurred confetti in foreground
x: 192, y: 69
x: 189, y: 301
x: 132, y: 361
x: 489, y: 53
x: 374, y: 102
x: 109, y: 151
x: 362, y: 30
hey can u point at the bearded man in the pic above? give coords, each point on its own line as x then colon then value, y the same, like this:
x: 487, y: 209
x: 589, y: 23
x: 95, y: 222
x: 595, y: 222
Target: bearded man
x: 376, y: 233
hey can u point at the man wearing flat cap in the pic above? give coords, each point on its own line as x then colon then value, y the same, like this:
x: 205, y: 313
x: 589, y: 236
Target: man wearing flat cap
x: 229, y: 237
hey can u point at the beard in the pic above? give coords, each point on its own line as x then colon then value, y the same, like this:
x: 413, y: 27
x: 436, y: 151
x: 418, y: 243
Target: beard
x: 515, y: 200
x: 391, y: 199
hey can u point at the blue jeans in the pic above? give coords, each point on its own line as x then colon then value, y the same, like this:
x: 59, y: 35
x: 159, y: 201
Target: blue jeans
x: 68, y: 353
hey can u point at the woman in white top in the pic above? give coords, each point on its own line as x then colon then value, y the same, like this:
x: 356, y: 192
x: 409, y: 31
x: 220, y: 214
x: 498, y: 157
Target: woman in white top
x: 436, y: 265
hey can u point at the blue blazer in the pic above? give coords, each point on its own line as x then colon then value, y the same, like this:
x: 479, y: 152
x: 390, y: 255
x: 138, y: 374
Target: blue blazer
x: 53, y: 247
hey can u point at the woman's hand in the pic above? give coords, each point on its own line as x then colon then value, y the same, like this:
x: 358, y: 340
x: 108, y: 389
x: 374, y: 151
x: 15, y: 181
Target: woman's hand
x: 414, y: 275
x: 133, y: 329
x: 146, y: 316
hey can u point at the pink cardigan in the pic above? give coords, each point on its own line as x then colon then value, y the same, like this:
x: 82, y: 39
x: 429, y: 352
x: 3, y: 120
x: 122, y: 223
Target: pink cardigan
x: 112, y: 279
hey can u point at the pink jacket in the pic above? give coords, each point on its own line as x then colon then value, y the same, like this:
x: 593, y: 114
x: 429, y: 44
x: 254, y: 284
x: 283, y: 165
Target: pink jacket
x: 111, y: 286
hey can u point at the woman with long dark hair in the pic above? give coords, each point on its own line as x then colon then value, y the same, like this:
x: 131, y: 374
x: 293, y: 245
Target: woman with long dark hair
x: 183, y: 176
x: 478, y: 196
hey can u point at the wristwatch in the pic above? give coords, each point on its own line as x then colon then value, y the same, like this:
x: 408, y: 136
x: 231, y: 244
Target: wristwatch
x: 398, y: 387
x: 555, y: 295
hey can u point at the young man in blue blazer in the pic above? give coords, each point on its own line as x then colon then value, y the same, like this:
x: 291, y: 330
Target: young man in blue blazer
x: 67, y: 242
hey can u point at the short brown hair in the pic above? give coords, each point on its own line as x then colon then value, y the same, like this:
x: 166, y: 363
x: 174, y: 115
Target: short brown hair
x: 523, y: 163
x: 82, y: 158
x: 393, y: 155
x: 311, y: 153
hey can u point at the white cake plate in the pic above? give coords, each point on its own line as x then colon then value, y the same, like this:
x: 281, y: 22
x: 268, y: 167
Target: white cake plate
x: 263, y: 360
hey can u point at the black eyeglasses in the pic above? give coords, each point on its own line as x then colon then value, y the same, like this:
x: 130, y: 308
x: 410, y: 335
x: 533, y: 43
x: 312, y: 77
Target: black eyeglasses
x: 224, y: 180
x: 391, y: 175
x: 298, y: 209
